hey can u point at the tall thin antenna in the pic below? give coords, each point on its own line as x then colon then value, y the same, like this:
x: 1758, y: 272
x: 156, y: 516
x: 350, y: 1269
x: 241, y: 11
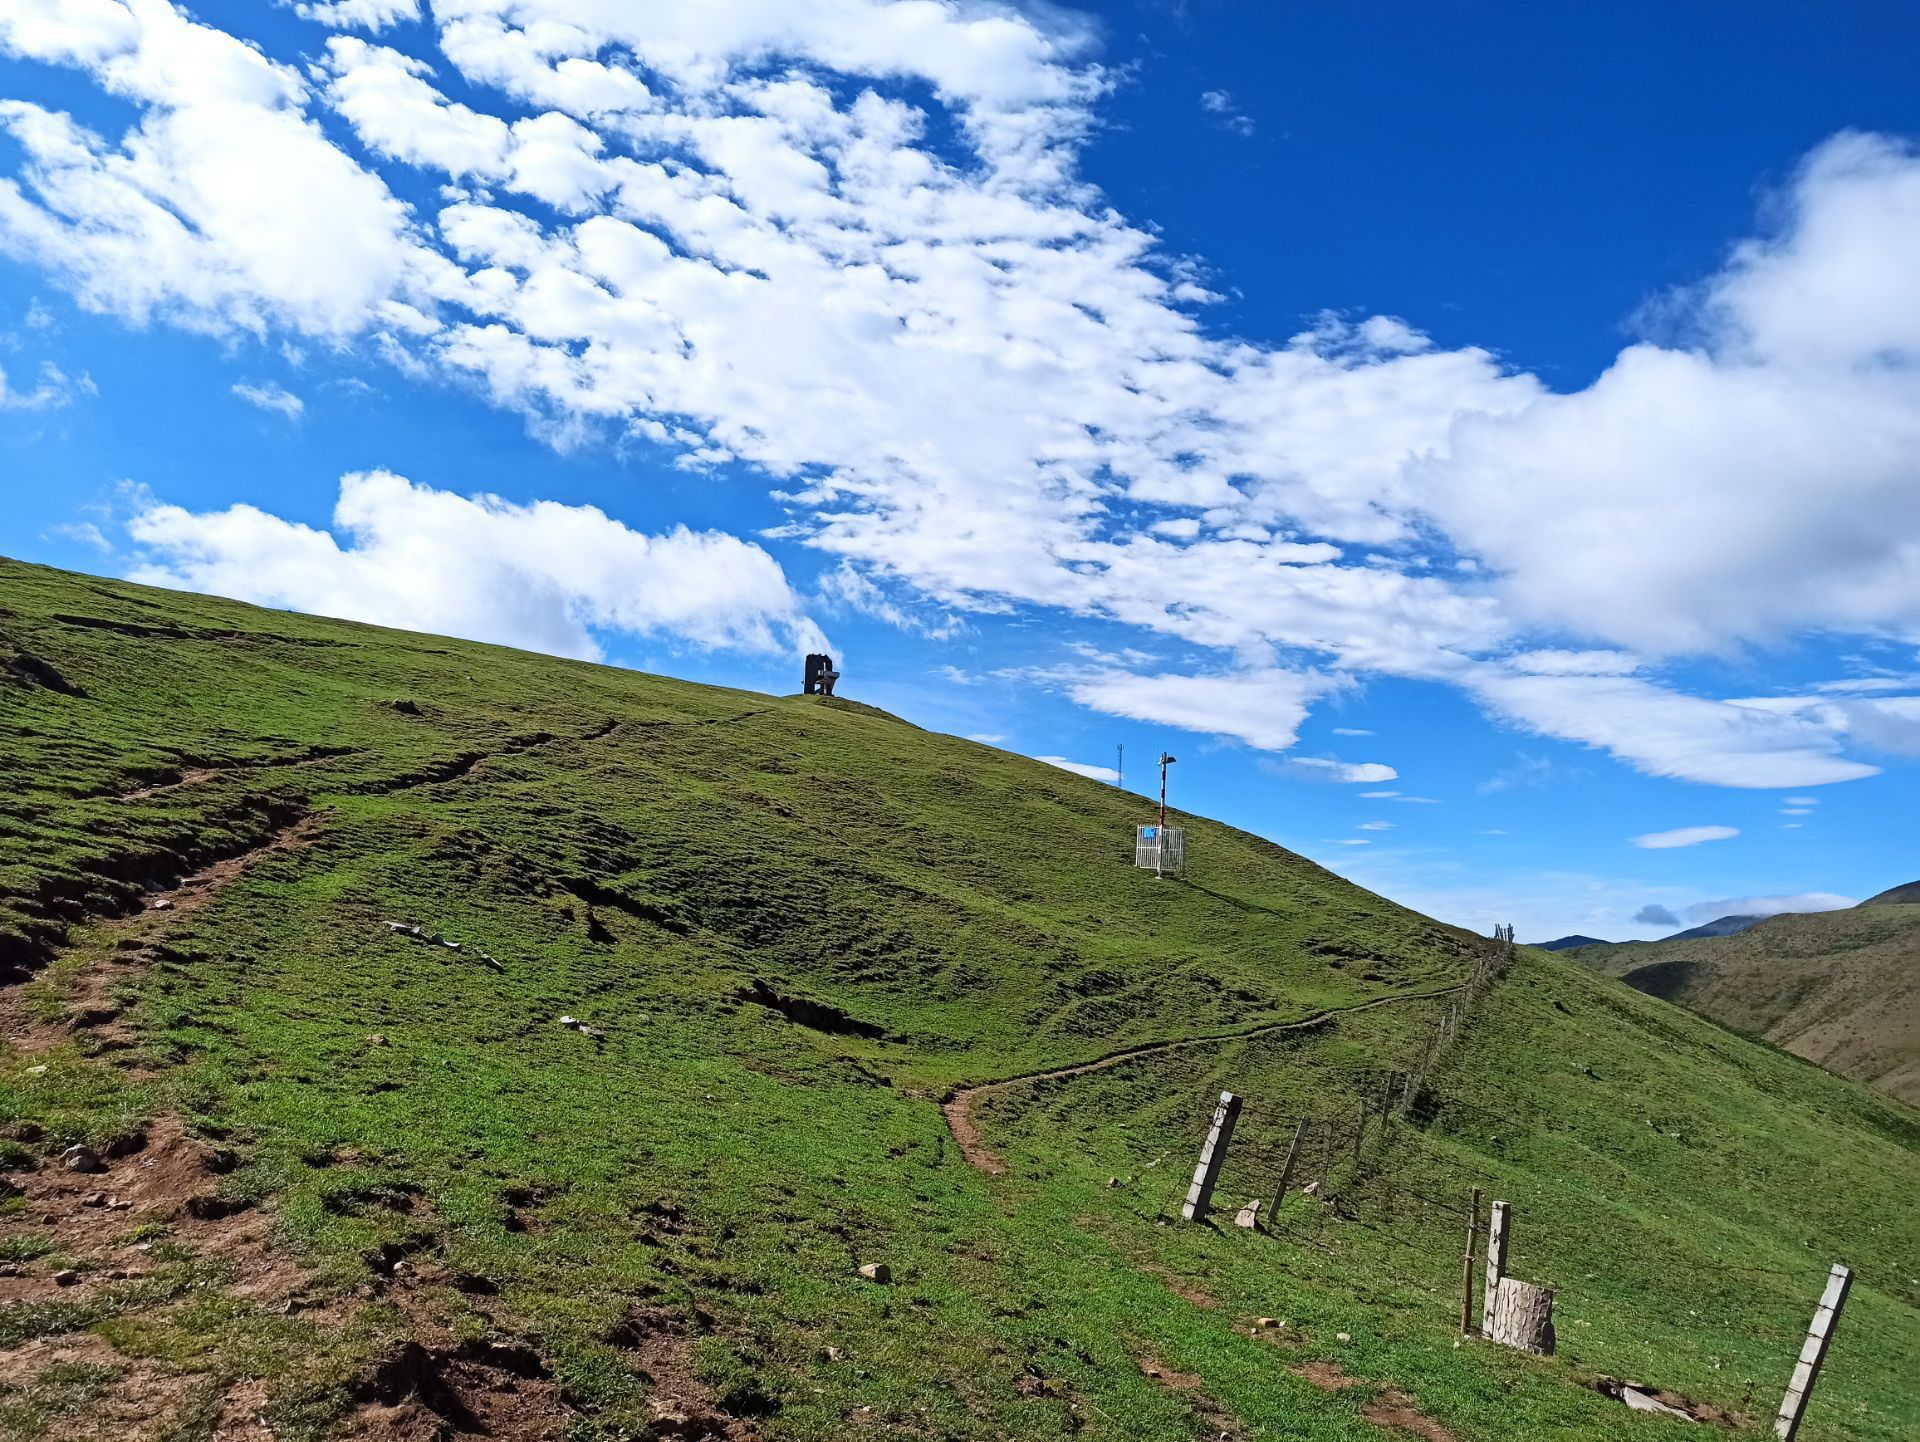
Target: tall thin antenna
x: 1165, y: 762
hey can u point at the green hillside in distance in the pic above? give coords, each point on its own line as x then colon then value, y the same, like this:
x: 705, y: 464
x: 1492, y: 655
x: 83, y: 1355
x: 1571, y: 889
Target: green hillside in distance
x: 1908, y: 895
x: 462, y: 1042
x: 1840, y: 988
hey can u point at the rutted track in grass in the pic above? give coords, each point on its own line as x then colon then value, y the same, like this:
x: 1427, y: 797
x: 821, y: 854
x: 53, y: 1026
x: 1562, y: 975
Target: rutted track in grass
x: 958, y: 1106
x: 187, y: 776
x: 148, y: 926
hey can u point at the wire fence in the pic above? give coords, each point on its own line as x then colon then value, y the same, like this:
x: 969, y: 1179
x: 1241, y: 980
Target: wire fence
x: 1368, y: 1171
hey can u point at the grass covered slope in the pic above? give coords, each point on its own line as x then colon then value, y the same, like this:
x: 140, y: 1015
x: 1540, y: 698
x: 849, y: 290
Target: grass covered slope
x: 788, y: 929
x: 1840, y: 988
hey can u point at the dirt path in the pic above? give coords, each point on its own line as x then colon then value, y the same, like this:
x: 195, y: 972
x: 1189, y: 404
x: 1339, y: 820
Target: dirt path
x: 958, y: 1107
x: 446, y: 1361
x: 200, y: 775
x: 83, y: 1238
x: 153, y: 1178
x: 86, y: 994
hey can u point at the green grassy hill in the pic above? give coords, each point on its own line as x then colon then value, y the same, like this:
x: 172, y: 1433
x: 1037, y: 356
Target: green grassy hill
x: 358, y: 1181
x: 1840, y: 988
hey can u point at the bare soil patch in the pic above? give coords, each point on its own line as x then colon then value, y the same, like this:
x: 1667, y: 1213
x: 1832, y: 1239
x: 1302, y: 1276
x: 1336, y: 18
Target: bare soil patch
x: 189, y: 776
x: 1392, y: 1409
x: 684, y: 1407
x: 1327, y: 1376
x: 1216, y: 1421
x: 1184, y: 1289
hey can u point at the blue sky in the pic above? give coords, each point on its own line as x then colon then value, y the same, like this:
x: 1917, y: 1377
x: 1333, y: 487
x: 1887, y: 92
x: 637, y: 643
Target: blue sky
x: 1483, y: 442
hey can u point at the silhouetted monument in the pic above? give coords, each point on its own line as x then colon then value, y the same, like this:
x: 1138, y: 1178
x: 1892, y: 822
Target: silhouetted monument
x: 820, y: 675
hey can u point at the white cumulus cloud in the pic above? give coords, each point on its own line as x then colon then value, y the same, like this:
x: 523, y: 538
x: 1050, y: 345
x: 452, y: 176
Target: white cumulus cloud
x: 543, y: 576
x: 364, y: 14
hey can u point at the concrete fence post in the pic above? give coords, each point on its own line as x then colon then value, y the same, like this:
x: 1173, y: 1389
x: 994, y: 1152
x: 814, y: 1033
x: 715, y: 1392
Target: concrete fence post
x: 1813, y: 1353
x: 1206, y: 1173
x: 1496, y: 1265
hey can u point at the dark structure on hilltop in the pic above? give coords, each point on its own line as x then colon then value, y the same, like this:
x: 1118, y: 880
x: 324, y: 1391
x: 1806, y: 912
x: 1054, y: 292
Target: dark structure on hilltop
x: 820, y: 676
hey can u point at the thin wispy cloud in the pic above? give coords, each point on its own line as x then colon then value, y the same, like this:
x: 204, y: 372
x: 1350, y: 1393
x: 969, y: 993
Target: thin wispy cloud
x: 271, y: 398
x: 1530, y: 772
x: 1221, y: 105
x: 1704, y: 911
x: 1081, y: 768
x: 52, y: 389
x: 1346, y: 773
x: 1684, y: 836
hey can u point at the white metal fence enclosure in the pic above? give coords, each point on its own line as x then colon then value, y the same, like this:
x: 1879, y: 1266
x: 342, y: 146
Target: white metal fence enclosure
x: 1160, y: 849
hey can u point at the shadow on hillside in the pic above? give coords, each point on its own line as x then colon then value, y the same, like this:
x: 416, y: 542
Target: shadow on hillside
x: 1238, y: 901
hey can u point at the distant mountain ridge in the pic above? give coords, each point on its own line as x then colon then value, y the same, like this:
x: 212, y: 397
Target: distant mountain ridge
x: 1839, y: 988
x: 1908, y: 895
x: 1724, y: 926
x: 1569, y: 943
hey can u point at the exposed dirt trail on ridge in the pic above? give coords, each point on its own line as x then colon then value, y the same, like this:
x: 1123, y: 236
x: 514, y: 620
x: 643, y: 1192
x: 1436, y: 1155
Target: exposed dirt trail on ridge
x: 958, y: 1107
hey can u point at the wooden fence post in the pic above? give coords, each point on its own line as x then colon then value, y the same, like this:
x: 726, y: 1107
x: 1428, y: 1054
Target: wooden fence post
x: 1286, y: 1172
x: 1359, y: 1133
x: 1496, y: 1265
x: 1813, y: 1352
x: 1466, y: 1271
x: 1207, y: 1171
x: 1326, y: 1160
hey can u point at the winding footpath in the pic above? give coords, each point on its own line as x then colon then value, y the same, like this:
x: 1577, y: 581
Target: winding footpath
x: 958, y: 1107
